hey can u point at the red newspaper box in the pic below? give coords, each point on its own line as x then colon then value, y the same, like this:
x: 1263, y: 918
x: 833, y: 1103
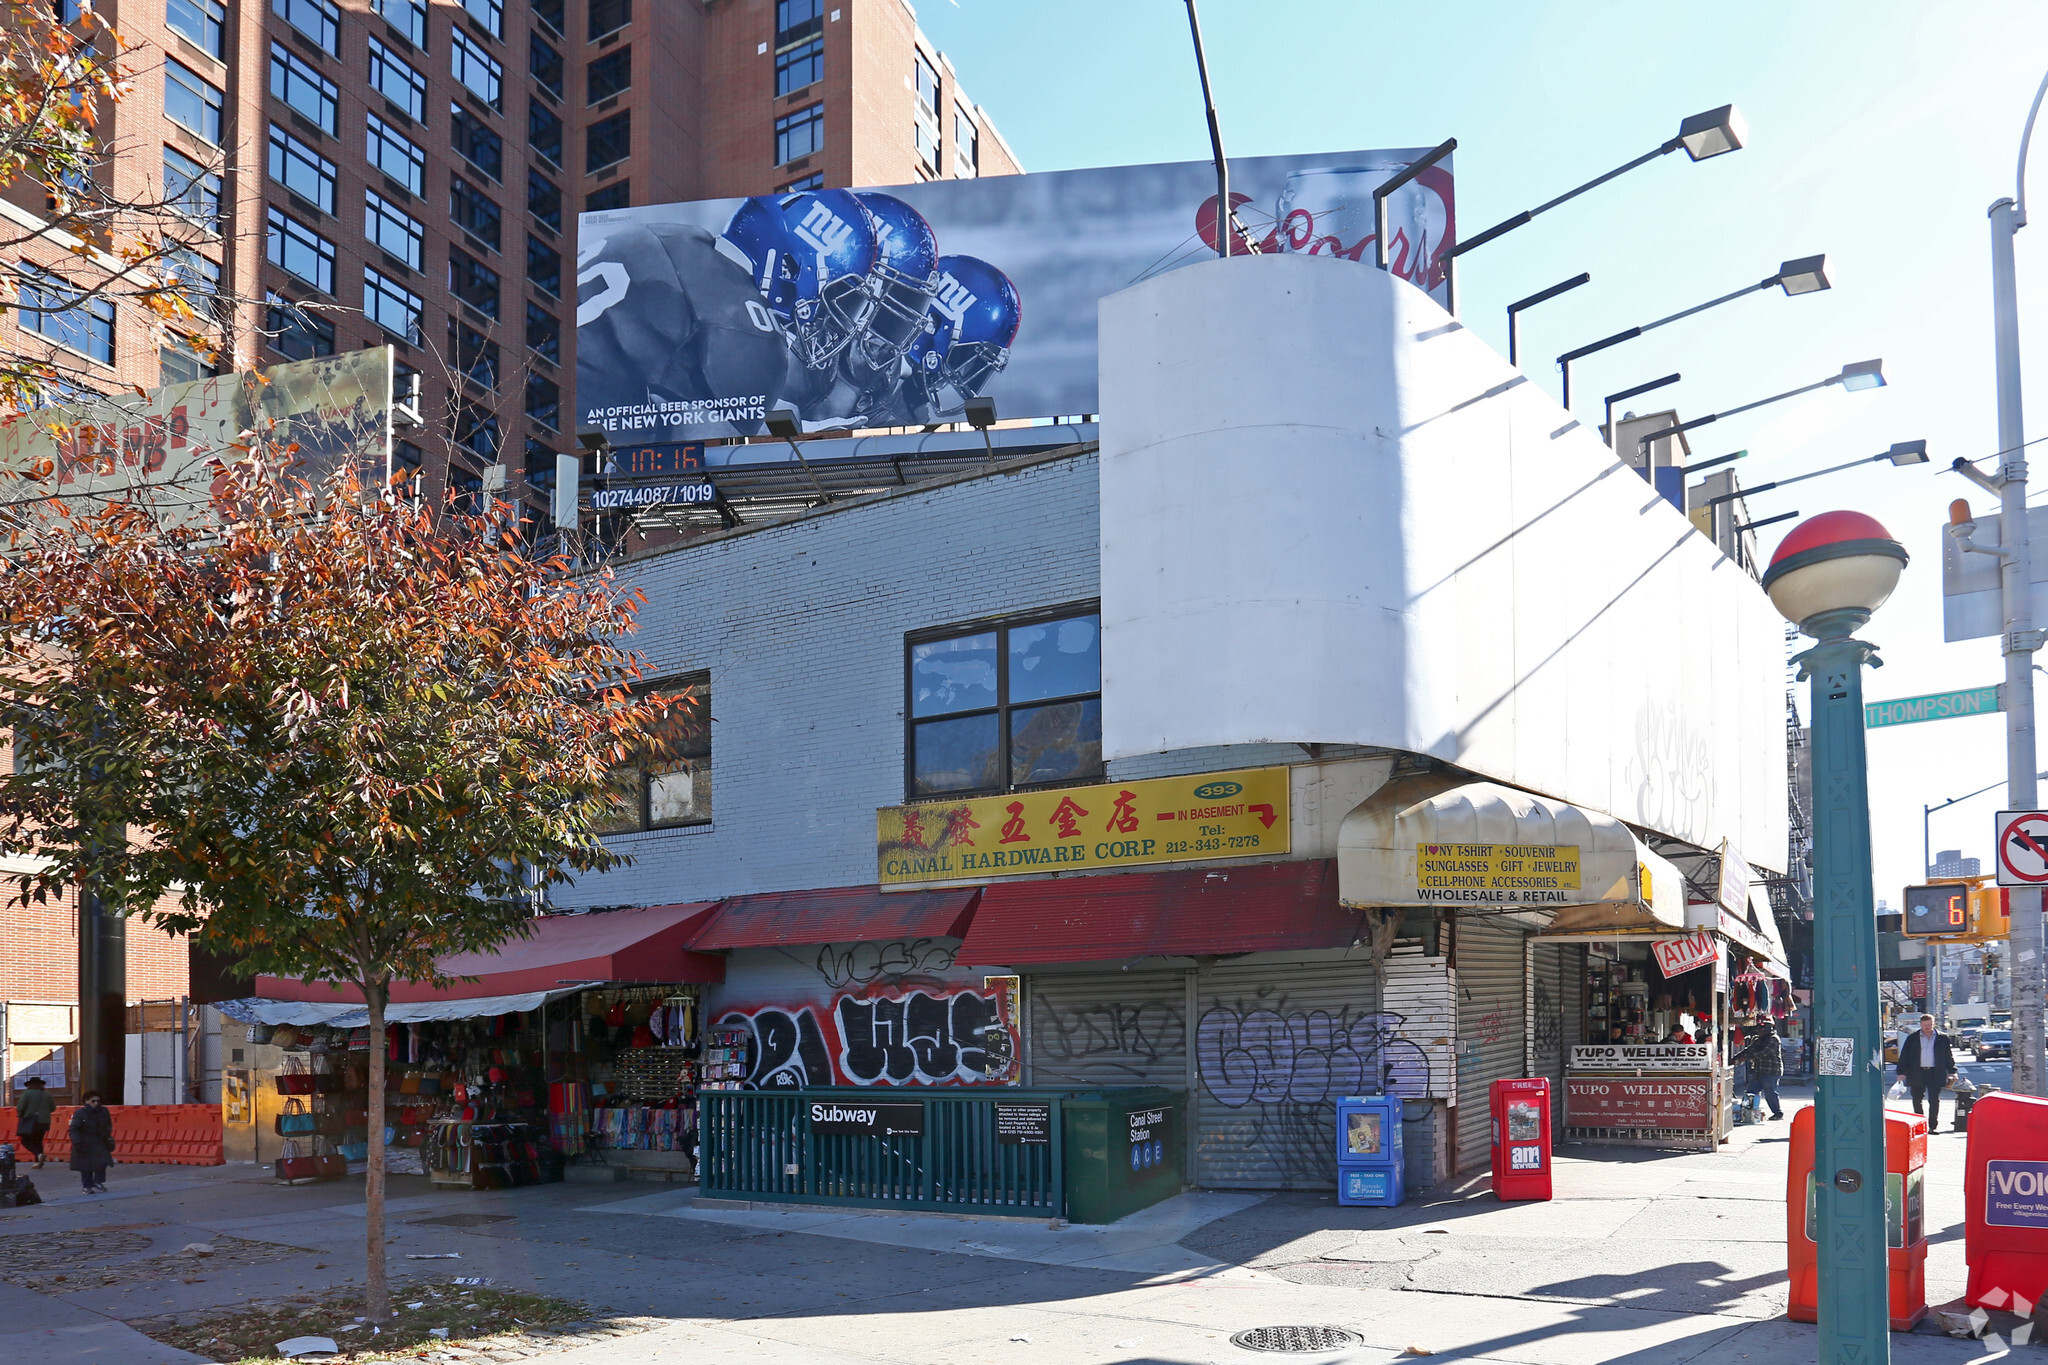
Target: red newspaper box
x: 2005, y: 1194
x: 1521, y: 1139
x: 1905, y: 1203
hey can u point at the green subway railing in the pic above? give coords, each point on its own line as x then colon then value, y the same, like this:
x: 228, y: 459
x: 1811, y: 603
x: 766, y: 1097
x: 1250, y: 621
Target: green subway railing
x: 760, y: 1146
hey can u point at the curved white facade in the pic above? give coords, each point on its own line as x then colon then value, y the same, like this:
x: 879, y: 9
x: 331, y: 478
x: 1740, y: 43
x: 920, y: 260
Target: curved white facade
x: 1332, y: 514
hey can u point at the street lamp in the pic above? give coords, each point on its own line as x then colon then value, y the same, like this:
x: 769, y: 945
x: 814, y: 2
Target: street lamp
x: 1901, y: 453
x: 1807, y: 275
x: 1827, y: 577
x: 1863, y: 374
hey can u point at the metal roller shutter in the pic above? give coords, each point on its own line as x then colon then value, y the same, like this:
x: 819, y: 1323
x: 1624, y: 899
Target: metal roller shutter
x: 1277, y: 1044
x: 1555, y: 1020
x: 1107, y: 1028
x: 1491, y: 1019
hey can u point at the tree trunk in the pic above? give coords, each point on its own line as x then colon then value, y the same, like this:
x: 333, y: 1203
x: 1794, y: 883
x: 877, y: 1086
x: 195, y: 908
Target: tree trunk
x: 377, y: 1288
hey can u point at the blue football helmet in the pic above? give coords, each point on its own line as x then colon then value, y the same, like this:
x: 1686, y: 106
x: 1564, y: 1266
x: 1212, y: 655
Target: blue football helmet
x: 975, y: 314
x: 901, y: 281
x: 810, y: 255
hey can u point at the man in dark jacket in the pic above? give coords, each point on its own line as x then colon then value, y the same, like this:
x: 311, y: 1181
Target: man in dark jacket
x: 1926, y: 1064
x: 32, y: 1111
x: 1765, y: 1054
x: 92, y: 1143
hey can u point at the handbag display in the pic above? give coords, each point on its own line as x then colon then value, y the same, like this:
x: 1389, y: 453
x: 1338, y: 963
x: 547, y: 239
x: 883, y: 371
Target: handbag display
x: 328, y: 1163
x: 295, y: 1121
x: 294, y: 1165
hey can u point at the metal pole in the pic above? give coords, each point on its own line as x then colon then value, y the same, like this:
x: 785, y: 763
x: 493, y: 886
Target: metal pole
x: 2018, y: 646
x: 102, y: 997
x: 1848, y: 1163
x: 1223, y: 214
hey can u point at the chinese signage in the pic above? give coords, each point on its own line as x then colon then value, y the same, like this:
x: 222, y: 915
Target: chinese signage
x: 1676, y: 956
x: 1072, y: 829
x: 1640, y: 1057
x: 867, y: 1120
x: 1627, y: 1102
x: 1525, y: 874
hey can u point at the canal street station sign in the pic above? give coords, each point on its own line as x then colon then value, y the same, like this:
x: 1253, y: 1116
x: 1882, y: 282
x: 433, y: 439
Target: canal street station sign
x: 1970, y: 701
x: 1241, y: 814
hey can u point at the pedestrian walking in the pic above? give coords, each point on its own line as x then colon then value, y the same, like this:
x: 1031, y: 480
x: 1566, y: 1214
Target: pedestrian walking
x: 92, y: 1143
x: 32, y: 1112
x: 1926, y: 1064
x: 1765, y: 1054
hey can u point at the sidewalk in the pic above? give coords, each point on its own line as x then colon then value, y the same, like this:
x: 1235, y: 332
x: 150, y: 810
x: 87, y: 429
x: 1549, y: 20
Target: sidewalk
x: 1641, y: 1257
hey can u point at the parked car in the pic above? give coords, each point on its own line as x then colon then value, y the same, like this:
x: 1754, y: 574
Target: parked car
x: 1994, y: 1042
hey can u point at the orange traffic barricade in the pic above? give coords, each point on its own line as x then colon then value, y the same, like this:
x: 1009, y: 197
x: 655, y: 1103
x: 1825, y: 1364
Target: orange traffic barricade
x: 1905, y: 1204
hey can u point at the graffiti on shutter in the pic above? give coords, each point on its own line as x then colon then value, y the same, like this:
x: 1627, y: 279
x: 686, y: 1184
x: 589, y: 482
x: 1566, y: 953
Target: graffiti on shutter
x: 1491, y: 1020
x: 1108, y: 1028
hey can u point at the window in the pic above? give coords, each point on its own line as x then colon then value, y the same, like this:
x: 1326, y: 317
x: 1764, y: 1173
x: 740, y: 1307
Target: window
x: 193, y: 104
x: 395, y: 154
x: 927, y: 113
x: 608, y: 140
x: 549, y: 12
x: 609, y: 16
x: 544, y: 201
x: 669, y: 784
x: 543, y: 266
x: 616, y: 195
x: 545, y: 64
x: 301, y: 169
x: 544, y: 131
x: 475, y: 355
x: 200, y: 22
x: 479, y: 146
x: 317, y: 19
x: 540, y: 465
x: 473, y: 211
x: 799, y: 66
x: 814, y: 181
x: 409, y: 17
x: 1016, y: 704
x: 489, y: 13
x: 544, y: 401
x: 543, y: 333
x: 966, y: 145
x: 608, y: 75
x: 192, y: 190
x: 396, y: 81
x: 391, y: 306
x: 477, y: 69
x: 179, y: 363
x: 197, y: 276
x: 797, y: 20
x: 56, y: 311
x: 466, y: 489
x: 475, y: 283
x: 304, y: 89
x: 392, y: 228
x: 293, y: 246
x: 799, y: 134
x: 406, y: 455
x: 476, y: 431
x: 294, y: 333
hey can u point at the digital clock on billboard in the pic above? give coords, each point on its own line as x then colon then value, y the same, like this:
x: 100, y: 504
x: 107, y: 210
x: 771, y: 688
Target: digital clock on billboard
x: 1937, y: 911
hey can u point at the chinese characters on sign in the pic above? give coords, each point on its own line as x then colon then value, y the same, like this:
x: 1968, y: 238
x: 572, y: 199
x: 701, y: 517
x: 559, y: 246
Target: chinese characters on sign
x: 1629, y: 1102
x: 1117, y: 824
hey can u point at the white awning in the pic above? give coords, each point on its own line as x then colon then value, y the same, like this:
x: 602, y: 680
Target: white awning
x: 1437, y: 841
x: 343, y: 1015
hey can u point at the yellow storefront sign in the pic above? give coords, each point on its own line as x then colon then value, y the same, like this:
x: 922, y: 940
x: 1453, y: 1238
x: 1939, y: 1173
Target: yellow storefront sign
x: 1525, y: 873
x: 1240, y: 814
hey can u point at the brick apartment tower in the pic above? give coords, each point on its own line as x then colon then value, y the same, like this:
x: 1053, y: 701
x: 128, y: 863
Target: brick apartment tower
x: 411, y: 171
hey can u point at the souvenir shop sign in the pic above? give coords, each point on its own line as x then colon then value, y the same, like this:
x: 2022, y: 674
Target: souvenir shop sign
x: 1023, y: 1125
x: 1637, y: 1102
x: 1641, y: 1057
x: 1511, y: 874
x: 1239, y: 814
x: 842, y: 1119
x: 1676, y: 956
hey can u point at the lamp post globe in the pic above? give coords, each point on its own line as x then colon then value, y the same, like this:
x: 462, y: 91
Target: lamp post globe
x: 1832, y: 571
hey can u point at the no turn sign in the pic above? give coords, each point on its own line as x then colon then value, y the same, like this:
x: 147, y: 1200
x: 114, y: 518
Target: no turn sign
x: 2022, y: 848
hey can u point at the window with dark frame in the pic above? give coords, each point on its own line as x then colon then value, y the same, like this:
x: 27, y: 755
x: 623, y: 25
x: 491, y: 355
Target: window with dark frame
x: 301, y: 169
x: 608, y: 141
x: 192, y: 190
x: 476, y: 431
x: 608, y: 17
x: 544, y: 201
x: 544, y: 131
x: 799, y: 134
x: 799, y: 66
x: 475, y: 355
x: 540, y: 465
x: 1004, y: 705
x: 798, y: 20
x: 549, y: 12
x: 391, y: 306
x: 814, y: 181
x: 611, y: 74
x: 319, y: 20
x: 545, y: 65
x: 294, y: 333
x: 489, y: 13
x: 202, y: 23
x: 669, y: 785
x: 479, y: 146
x: 543, y: 266
x: 409, y: 17
x: 292, y: 246
x: 966, y: 145
x: 397, y: 155
x: 194, y: 103
x: 475, y: 283
x: 543, y: 333
x: 396, y: 80
x: 393, y: 229
x: 180, y: 363
x: 617, y: 195
x: 544, y: 401
x: 475, y: 69
x: 475, y: 212
x: 59, y: 311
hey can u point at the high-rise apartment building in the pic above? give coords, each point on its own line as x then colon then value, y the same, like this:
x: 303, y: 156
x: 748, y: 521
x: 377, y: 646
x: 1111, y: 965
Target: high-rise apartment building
x: 408, y: 172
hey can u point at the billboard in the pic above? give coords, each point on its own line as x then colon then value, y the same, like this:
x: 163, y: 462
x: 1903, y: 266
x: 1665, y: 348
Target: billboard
x: 882, y: 308
x: 334, y: 409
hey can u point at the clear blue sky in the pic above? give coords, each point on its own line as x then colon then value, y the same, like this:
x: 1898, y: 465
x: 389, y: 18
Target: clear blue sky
x: 1879, y: 133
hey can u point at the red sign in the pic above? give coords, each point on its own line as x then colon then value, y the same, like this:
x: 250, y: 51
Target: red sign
x: 1676, y: 956
x: 1638, y: 1102
x: 1919, y: 985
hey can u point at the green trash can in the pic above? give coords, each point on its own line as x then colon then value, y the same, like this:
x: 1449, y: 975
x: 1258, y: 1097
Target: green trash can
x: 1123, y: 1151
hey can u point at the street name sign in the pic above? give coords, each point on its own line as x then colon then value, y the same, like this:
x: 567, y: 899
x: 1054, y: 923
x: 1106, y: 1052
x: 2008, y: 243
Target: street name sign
x: 1969, y: 701
x: 2022, y: 847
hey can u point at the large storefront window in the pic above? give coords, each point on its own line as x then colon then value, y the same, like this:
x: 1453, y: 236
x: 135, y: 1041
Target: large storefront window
x: 1017, y: 703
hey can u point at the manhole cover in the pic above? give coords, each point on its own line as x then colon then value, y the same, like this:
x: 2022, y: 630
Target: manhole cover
x: 1303, y: 1340
x: 463, y: 1220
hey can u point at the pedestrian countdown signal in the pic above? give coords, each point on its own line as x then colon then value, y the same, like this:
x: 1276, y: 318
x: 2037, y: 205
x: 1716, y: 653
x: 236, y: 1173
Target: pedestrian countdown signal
x: 1937, y: 911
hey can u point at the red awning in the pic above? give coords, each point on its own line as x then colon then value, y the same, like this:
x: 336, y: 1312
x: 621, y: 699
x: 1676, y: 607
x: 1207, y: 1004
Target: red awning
x: 1258, y: 908
x: 836, y: 914
x: 647, y: 945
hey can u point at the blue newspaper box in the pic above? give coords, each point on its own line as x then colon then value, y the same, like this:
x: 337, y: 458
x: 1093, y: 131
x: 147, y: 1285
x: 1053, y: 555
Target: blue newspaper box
x: 1369, y: 1150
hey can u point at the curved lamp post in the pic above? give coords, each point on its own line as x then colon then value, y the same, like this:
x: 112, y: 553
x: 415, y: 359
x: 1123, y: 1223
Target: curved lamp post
x: 1830, y: 573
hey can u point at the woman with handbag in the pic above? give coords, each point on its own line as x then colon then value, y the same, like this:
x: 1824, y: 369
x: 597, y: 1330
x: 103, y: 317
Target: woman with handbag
x: 92, y: 1143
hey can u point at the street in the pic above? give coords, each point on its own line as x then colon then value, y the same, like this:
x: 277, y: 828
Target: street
x: 1642, y: 1256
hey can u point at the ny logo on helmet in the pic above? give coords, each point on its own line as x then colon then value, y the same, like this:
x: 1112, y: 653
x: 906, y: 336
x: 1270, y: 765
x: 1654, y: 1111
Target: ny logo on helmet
x: 954, y: 299
x: 824, y: 230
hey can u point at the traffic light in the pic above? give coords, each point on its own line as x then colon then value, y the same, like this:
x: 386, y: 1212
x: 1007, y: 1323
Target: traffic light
x: 1938, y: 911
x: 1991, y: 912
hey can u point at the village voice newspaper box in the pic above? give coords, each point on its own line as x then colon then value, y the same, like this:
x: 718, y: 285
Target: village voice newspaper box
x: 1905, y: 1219
x: 2005, y: 1190
x: 1521, y: 1139
x: 1369, y: 1153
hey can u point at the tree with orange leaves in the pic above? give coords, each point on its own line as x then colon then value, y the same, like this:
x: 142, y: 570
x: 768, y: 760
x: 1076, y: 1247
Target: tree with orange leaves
x: 338, y: 735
